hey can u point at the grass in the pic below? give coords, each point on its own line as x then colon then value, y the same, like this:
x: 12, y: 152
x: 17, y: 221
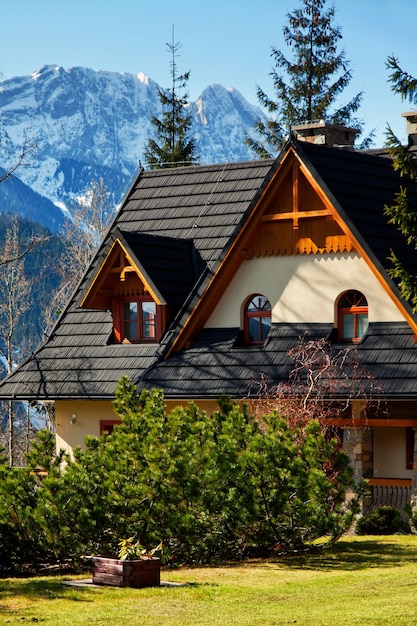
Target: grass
x: 359, y: 581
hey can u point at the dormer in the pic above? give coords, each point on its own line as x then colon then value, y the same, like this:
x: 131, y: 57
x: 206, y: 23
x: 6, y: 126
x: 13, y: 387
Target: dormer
x: 143, y: 280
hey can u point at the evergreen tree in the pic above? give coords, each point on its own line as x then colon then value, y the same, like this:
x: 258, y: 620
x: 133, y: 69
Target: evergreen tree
x: 210, y: 487
x: 308, y: 85
x: 404, y: 161
x: 173, y: 146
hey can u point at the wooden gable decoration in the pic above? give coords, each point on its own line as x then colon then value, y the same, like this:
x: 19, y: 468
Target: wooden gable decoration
x: 292, y: 216
x: 120, y: 275
x: 296, y: 218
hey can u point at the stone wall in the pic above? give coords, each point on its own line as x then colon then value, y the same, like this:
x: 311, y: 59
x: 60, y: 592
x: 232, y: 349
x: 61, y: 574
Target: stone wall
x: 357, y: 443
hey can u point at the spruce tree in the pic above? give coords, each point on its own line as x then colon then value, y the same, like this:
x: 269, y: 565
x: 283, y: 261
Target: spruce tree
x: 173, y: 146
x: 405, y: 162
x: 308, y: 85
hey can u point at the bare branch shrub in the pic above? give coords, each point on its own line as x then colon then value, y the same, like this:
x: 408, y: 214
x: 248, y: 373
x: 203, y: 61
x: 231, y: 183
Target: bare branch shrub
x: 323, y: 382
x: 81, y: 235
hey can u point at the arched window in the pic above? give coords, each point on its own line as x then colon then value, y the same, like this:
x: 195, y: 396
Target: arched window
x: 257, y: 319
x: 352, y: 316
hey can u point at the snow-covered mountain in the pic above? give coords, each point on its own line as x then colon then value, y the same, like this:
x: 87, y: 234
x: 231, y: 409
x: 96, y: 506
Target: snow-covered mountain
x: 88, y: 124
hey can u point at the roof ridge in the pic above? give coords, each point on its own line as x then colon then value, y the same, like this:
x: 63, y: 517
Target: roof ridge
x: 166, y: 171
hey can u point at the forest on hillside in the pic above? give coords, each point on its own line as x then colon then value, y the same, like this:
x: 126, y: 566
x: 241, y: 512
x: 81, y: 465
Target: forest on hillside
x: 40, y: 269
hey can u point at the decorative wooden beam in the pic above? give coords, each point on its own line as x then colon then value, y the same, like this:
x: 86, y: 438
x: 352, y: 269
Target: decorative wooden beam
x: 122, y: 268
x: 389, y: 482
x: 296, y: 215
x: 295, y: 195
x: 116, y: 262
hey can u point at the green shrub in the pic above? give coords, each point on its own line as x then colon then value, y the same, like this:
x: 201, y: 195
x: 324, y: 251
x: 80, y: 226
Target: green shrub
x: 209, y: 487
x: 385, y: 520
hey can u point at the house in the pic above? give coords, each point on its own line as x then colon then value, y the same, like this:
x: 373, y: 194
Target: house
x: 210, y: 274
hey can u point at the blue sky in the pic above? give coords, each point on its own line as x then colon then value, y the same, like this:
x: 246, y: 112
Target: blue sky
x: 223, y: 41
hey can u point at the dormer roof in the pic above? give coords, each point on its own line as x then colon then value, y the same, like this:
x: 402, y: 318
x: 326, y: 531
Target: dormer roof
x: 166, y: 267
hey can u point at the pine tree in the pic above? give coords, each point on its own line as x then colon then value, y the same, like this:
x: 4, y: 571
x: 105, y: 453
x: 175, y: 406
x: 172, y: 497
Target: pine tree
x: 308, y: 85
x: 173, y: 146
x: 405, y: 162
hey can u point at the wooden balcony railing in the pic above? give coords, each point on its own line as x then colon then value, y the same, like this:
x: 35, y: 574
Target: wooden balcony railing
x: 395, y: 492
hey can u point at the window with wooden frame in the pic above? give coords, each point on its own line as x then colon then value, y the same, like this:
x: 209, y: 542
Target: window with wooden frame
x: 352, y: 314
x: 256, y: 319
x: 107, y: 426
x: 409, y: 448
x: 136, y: 319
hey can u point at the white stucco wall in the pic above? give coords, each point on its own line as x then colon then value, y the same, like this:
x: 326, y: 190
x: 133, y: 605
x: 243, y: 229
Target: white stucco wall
x: 390, y: 453
x: 303, y: 288
x: 88, y: 415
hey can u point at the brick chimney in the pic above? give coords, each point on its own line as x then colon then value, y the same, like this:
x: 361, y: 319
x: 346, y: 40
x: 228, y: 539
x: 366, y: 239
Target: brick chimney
x: 411, y: 118
x: 325, y: 133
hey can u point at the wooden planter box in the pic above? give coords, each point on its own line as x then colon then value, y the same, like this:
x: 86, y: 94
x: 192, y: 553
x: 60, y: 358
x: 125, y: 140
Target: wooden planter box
x: 145, y: 572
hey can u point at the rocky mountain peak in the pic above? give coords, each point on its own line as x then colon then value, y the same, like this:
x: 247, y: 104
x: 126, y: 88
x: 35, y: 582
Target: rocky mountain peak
x: 89, y: 124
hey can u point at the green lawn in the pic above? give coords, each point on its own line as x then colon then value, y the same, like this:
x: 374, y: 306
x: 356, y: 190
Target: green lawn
x: 360, y: 581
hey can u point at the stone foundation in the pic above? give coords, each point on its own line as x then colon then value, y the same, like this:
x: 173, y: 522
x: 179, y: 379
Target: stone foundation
x: 357, y: 443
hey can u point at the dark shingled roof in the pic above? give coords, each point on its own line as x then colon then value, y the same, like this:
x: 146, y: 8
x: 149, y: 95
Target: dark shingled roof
x: 214, y: 365
x: 172, y: 265
x: 203, y: 204
x: 179, y: 224
x: 360, y: 185
x: 73, y: 363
